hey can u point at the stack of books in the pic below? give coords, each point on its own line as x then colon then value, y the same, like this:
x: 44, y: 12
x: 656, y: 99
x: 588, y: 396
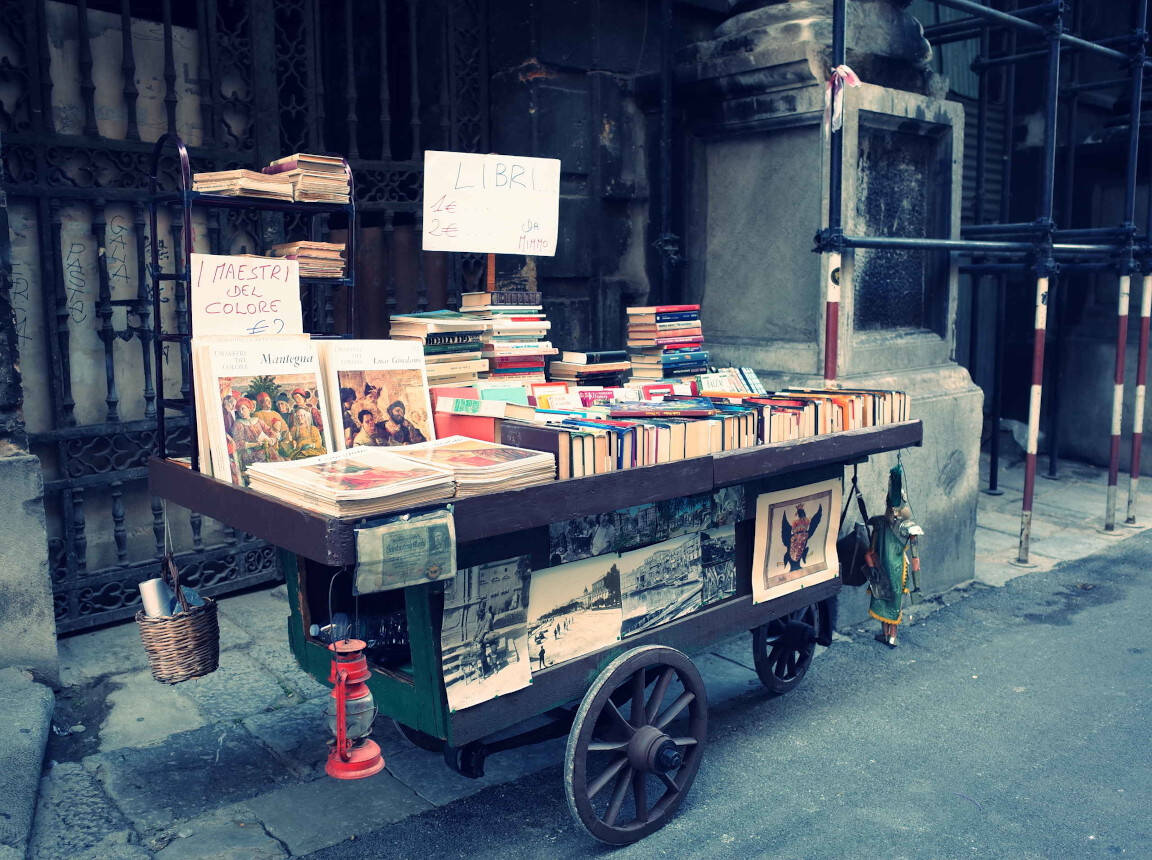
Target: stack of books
x: 452, y: 344
x: 242, y: 183
x: 602, y: 369
x: 666, y: 342
x: 353, y: 483
x: 313, y: 178
x: 514, y: 343
x: 483, y: 467
x: 316, y: 259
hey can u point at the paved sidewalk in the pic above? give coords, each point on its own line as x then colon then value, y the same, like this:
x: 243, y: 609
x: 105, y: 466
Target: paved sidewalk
x: 231, y: 765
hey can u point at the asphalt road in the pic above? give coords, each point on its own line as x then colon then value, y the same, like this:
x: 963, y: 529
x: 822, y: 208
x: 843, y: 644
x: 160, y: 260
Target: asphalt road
x: 1013, y: 723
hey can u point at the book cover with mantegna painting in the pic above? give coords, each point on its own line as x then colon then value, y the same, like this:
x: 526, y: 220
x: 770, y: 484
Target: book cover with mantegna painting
x: 269, y: 404
x: 379, y: 392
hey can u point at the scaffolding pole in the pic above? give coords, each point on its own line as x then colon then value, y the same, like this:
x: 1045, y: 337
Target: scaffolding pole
x: 835, y: 213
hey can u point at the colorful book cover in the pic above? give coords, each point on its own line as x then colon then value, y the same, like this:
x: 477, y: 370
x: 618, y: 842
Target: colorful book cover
x: 382, y: 390
x: 268, y: 399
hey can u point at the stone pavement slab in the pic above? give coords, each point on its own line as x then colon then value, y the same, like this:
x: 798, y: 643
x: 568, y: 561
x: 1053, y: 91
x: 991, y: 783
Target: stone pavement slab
x: 239, y: 688
x: 233, y: 833
x: 73, y: 814
x: 189, y: 774
x: 309, y: 816
x: 25, y: 718
x: 142, y: 712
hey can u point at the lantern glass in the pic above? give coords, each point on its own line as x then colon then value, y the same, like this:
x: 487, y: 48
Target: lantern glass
x: 359, y: 713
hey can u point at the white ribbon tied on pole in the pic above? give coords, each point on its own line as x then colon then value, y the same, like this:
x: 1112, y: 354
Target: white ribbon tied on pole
x: 840, y: 77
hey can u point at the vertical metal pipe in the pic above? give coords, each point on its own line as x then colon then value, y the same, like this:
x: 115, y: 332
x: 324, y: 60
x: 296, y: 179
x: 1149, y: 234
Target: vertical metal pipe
x: 835, y: 214
x: 385, y: 96
x: 1043, y: 268
x: 128, y: 69
x: 666, y: 241
x: 1141, y: 387
x: 975, y: 280
x: 414, y: 66
x: 350, y: 118
x: 1122, y: 304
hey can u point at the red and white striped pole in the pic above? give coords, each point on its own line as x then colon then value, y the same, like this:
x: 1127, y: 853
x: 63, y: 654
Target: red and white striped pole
x: 1117, y: 399
x: 832, y: 320
x: 1138, y: 417
x: 1040, y: 326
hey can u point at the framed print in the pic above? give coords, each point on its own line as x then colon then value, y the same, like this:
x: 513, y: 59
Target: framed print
x: 795, y: 544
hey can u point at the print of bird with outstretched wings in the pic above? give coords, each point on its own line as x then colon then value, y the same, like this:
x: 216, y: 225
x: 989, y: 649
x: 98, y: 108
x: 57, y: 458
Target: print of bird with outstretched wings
x: 794, y: 535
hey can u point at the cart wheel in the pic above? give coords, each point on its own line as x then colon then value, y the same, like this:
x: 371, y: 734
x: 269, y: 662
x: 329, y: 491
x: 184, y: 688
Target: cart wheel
x: 419, y: 738
x: 635, y: 744
x: 783, y: 648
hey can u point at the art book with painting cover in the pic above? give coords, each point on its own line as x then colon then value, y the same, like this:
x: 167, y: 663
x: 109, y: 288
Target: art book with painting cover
x: 262, y: 400
x: 379, y: 392
x: 484, y: 466
x: 355, y: 482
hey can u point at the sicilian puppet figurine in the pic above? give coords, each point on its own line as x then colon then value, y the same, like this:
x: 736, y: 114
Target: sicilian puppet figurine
x: 892, y: 557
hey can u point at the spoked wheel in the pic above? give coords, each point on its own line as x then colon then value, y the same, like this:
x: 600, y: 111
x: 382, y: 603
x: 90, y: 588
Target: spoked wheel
x: 636, y: 743
x: 783, y: 648
x: 418, y: 738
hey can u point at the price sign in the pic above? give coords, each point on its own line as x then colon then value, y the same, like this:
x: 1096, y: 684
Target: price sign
x: 491, y: 204
x: 245, y: 296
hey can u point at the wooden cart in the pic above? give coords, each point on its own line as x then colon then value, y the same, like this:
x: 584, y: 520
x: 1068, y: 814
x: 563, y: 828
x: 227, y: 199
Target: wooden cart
x: 635, y: 712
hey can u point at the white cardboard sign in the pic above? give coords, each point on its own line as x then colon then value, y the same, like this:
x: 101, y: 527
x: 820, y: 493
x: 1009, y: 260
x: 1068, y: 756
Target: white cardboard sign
x: 245, y: 296
x: 491, y: 204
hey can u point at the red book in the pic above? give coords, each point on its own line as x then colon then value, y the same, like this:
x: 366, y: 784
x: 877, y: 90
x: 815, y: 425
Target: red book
x: 508, y: 361
x: 473, y: 426
x: 667, y: 341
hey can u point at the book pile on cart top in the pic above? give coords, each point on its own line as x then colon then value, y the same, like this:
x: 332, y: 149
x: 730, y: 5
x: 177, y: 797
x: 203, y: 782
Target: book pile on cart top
x: 316, y: 259
x: 513, y: 342
x: 666, y: 342
x: 356, y: 482
x: 451, y: 341
x: 483, y: 467
x: 314, y: 178
x: 599, y: 369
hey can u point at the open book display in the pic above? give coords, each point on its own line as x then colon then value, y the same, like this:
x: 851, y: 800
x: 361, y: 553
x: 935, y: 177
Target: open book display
x: 482, y: 467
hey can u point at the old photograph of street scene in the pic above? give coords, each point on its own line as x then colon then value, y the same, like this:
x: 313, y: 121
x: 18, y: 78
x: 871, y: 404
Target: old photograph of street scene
x: 718, y: 558
x: 660, y: 583
x: 484, y: 639
x: 573, y: 609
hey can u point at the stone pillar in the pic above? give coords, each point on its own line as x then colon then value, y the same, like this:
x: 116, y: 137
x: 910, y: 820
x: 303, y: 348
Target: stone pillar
x: 27, y: 619
x: 757, y: 191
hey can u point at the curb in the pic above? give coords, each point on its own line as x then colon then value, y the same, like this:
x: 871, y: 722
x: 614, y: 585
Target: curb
x: 25, y: 720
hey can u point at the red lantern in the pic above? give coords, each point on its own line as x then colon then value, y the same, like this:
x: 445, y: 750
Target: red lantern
x: 350, y: 714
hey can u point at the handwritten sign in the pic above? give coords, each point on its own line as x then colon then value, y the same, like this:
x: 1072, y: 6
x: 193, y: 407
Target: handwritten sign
x: 491, y: 204
x: 245, y: 296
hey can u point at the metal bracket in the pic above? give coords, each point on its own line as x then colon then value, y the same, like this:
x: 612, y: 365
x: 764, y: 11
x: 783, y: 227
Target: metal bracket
x: 828, y: 240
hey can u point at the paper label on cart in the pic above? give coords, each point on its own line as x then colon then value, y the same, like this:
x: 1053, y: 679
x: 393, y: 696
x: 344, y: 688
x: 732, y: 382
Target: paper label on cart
x: 244, y: 296
x: 491, y: 204
x: 405, y: 551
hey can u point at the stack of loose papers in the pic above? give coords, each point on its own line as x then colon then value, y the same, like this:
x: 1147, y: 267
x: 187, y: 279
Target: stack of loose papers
x: 316, y: 259
x: 314, y: 178
x: 243, y: 183
x: 353, y: 483
x: 483, y: 467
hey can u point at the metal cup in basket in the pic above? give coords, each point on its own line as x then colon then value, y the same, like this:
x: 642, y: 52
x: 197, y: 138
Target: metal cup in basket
x: 184, y: 645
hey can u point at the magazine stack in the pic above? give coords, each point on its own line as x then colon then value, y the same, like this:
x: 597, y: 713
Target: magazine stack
x: 316, y: 259
x: 353, y: 483
x: 483, y: 467
x: 666, y: 342
x: 242, y: 183
x: 313, y: 178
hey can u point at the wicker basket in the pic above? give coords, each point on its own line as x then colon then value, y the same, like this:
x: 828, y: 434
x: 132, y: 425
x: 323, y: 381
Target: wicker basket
x: 185, y: 645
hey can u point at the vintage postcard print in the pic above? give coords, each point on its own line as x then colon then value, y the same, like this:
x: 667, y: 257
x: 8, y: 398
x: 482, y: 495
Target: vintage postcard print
x: 795, y: 543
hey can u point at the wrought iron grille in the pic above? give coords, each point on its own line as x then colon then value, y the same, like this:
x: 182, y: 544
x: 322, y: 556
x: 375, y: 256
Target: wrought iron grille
x: 85, y: 88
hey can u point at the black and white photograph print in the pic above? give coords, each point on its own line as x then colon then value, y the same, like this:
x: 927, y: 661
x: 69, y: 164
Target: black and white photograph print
x: 583, y: 537
x: 573, y: 609
x: 795, y: 542
x: 718, y: 558
x: 684, y: 514
x: 484, y: 640
x: 660, y: 583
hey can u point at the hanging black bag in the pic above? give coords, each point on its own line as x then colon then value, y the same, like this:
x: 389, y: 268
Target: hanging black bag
x: 852, y: 547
